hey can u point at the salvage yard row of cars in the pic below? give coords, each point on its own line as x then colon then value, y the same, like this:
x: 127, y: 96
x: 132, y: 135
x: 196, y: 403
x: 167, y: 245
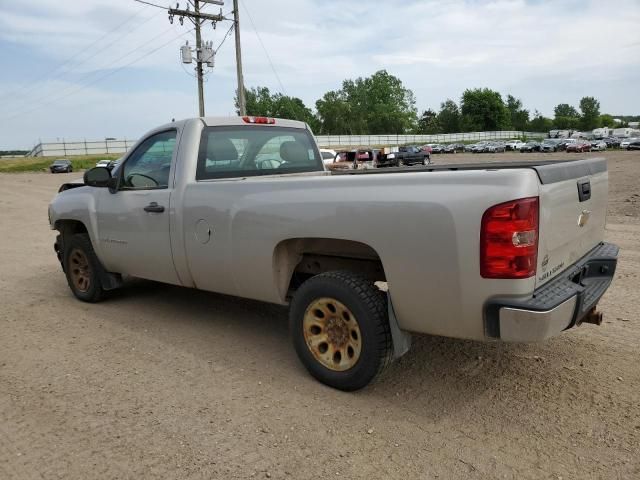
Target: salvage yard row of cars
x: 421, y: 155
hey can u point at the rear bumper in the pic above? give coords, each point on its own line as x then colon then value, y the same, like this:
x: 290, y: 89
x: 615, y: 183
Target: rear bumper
x: 557, y: 306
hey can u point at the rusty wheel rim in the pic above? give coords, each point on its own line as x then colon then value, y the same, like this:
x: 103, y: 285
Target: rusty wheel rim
x: 80, y: 270
x: 332, y: 334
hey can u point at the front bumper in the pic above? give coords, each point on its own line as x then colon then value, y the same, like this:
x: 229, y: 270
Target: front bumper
x: 557, y: 306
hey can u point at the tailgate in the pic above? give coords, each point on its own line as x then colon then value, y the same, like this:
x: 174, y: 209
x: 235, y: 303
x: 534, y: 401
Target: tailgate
x: 573, y: 208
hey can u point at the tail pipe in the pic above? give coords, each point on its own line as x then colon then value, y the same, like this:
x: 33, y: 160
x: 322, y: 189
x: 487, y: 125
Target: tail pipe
x: 594, y: 317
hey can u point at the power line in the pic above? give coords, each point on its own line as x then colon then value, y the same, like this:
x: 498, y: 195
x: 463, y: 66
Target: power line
x: 151, y: 4
x: 38, y: 78
x: 108, y: 74
x: 263, y: 47
x: 224, y: 38
x: 89, y: 74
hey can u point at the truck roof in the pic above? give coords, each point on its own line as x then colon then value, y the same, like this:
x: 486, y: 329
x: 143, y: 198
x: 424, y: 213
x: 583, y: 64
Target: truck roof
x: 231, y: 121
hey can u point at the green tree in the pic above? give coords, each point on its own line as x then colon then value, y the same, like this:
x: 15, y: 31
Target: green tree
x: 540, y: 123
x: 449, y: 117
x: 518, y: 116
x: 590, y: 108
x: 261, y: 102
x: 482, y: 109
x: 606, y: 120
x: 374, y: 105
x: 566, y: 117
x: 428, y: 122
x: 565, y: 110
x: 333, y: 112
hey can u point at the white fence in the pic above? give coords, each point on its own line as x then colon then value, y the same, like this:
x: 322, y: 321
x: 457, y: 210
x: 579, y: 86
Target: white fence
x: 64, y: 149
x: 365, y: 140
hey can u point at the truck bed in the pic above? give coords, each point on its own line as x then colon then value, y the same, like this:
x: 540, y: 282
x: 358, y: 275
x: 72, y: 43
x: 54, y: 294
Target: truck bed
x: 549, y: 171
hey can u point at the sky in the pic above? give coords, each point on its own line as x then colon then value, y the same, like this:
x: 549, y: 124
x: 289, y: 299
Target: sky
x: 111, y: 68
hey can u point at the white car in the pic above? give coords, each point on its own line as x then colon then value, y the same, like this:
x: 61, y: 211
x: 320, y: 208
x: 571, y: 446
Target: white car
x: 103, y: 163
x: 625, y: 143
x: 598, y: 146
x: 514, y: 144
x: 328, y: 156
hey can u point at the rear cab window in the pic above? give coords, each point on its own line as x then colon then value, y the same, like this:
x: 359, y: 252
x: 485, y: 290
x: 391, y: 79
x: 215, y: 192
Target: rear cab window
x: 251, y: 150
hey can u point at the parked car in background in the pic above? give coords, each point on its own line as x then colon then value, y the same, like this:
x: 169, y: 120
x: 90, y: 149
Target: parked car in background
x: 624, y: 144
x: 110, y: 164
x: 566, y: 142
x: 437, y: 148
x: 550, y: 145
x: 61, y: 165
x: 427, y: 149
x: 328, y: 156
x: 598, y: 145
x: 407, y: 155
x: 635, y: 145
x: 513, y: 145
x: 479, y: 147
x: 495, y: 147
x: 530, y: 147
x: 454, y: 148
x: 579, y: 146
x: 354, y: 159
x: 612, y: 142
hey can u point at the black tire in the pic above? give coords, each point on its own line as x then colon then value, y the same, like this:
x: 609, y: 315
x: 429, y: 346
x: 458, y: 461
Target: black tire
x: 75, y: 247
x: 369, y: 307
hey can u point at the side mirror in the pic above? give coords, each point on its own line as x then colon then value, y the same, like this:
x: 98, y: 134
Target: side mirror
x: 98, y: 177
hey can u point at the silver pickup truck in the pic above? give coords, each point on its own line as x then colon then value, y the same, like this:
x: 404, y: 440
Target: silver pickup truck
x: 244, y: 206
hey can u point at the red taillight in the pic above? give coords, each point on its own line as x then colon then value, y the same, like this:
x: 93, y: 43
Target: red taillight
x: 509, y: 239
x: 260, y: 120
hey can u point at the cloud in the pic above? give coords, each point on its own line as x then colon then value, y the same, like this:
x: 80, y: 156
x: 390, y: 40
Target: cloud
x: 542, y: 51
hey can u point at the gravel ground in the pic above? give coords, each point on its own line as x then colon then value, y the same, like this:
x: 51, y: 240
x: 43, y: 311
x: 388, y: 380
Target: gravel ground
x: 164, y: 382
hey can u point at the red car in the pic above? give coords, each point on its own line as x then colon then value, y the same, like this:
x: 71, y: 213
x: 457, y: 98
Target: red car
x: 426, y: 148
x: 579, y: 147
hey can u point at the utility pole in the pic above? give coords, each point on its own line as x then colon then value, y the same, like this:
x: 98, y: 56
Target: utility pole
x: 242, y: 107
x: 204, y: 54
x: 196, y: 6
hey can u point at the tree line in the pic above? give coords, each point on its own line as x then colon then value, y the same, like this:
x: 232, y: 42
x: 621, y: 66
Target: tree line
x: 381, y: 104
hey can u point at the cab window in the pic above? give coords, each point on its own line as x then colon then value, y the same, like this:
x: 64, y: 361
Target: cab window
x: 244, y: 151
x: 149, y: 165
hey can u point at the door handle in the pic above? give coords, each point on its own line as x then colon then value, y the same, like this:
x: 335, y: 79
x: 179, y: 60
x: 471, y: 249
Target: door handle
x: 153, y: 207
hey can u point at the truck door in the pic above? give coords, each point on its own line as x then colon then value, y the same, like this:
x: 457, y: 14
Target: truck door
x: 133, y: 223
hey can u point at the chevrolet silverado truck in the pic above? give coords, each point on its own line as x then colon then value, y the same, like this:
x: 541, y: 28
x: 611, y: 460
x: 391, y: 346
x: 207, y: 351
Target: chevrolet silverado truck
x: 245, y: 207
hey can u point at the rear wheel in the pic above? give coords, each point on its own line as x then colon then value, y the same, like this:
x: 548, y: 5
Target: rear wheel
x: 340, y: 329
x: 82, y: 268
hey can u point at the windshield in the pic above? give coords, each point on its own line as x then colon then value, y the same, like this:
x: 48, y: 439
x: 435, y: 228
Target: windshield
x: 251, y: 150
x: 60, y: 162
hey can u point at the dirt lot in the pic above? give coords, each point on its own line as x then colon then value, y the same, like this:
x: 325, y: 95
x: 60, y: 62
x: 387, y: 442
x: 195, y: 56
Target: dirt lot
x: 163, y: 382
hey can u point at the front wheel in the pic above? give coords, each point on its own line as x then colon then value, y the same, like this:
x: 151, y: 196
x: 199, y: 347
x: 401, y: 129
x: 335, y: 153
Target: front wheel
x: 82, y: 267
x: 340, y: 329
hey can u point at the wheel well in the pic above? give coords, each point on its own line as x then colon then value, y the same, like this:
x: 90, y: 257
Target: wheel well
x: 70, y: 227
x: 297, y: 259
